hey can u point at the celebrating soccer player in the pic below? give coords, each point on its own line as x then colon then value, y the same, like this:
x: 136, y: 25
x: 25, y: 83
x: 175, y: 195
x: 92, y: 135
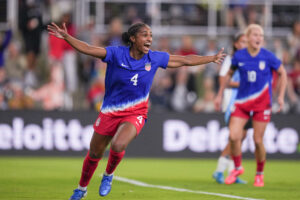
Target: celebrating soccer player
x: 129, y: 75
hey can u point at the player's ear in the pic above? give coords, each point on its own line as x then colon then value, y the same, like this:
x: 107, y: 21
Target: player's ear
x: 132, y: 39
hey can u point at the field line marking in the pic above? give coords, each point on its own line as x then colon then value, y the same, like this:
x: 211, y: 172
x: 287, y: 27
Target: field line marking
x: 142, y: 184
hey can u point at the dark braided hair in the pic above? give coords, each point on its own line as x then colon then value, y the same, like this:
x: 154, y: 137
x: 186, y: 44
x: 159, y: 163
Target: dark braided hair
x: 235, y: 39
x: 132, y: 31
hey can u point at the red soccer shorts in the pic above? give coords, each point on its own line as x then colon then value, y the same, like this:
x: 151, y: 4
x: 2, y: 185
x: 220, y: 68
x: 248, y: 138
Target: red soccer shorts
x: 106, y: 125
x: 262, y: 115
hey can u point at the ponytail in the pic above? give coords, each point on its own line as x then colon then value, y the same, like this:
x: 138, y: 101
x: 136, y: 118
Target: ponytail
x: 126, y: 38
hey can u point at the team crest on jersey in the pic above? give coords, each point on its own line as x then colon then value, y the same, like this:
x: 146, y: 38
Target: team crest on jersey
x: 262, y: 65
x: 148, y: 67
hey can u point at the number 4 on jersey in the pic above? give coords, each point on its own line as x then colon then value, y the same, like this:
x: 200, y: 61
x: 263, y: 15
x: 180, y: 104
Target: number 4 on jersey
x: 134, y: 79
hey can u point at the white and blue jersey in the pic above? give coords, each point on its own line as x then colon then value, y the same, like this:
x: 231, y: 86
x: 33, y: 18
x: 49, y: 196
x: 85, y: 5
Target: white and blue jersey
x: 229, y: 93
x: 255, y: 90
x: 234, y: 91
x: 128, y: 81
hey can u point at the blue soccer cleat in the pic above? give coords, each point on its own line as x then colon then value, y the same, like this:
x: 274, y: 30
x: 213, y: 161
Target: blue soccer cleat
x: 78, y: 194
x: 219, y: 177
x: 105, y: 186
x: 240, y: 181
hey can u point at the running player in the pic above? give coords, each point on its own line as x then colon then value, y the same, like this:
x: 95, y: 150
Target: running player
x: 224, y: 161
x: 129, y: 75
x: 255, y: 65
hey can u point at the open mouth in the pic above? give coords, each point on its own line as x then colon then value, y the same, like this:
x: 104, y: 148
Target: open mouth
x: 147, y: 46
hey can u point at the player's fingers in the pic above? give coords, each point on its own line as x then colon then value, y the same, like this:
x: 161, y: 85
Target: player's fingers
x: 221, y: 50
x: 52, y: 33
x: 64, y: 26
x: 51, y: 29
x: 55, y: 25
x: 280, y: 108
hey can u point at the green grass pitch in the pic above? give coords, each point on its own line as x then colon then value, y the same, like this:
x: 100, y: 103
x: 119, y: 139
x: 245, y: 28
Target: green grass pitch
x: 36, y: 178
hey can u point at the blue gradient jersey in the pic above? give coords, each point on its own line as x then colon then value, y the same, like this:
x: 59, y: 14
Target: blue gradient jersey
x: 255, y: 90
x: 128, y: 81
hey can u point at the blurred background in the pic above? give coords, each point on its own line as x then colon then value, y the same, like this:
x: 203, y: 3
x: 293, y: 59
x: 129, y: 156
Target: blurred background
x: 41, y: 73
x: 34, y: 64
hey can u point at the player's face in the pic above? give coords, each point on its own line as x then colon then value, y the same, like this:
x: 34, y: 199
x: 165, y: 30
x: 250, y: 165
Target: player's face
x: 241, y: 43
x: 143, y: 39
x: 255, y: 38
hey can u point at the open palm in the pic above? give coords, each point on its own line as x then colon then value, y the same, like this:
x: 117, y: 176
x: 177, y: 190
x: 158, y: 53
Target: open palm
x: 58, y: 32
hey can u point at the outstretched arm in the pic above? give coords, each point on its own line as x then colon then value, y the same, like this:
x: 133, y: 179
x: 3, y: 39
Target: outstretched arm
x: 80, y: 46
x: 282, y: 81
x: 192, y: 60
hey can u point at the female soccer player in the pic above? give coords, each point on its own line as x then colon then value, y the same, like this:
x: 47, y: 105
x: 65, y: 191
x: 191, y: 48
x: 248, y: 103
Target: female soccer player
x: 129, y: 75
x: 255, y: 65
x: 224, y: 161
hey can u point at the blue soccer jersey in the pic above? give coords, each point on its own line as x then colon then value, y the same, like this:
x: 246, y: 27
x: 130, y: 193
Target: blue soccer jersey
x: 128, y: 81
x: 255, y: 90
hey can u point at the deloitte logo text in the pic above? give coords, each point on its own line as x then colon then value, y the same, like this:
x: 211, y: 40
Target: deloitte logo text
x: 178, y: 136
x: 52, y: 135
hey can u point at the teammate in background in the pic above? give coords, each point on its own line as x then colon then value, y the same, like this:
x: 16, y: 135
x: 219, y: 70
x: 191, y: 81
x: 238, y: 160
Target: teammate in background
x: 255, y: 65
x: 129, y: 75
x: 224, y: 161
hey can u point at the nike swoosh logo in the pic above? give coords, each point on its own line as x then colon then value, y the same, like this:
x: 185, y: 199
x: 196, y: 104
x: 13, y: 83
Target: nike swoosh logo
x: 122, y: 64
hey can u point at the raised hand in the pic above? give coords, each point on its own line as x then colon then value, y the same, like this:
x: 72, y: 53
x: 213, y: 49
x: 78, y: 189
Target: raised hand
x: 58, y: 32
x: 219, y: 57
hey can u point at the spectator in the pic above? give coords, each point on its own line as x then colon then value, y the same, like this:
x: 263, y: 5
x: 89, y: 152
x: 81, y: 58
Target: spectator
x: 161, y: 89
x: 17, y: 100
x: 96, y: 93
x: 184, y: 94
x: 293, y: 39
x: 293, y: 89
x: 55, y: 87
x: 69, y: 64
x: 88, y: 64
x: 15, y: 64
x: 210, y: 74
x: 132, y: 15
x: 114, y: 37
x: 235, y: 14
x: 4, y: 41
x: 3, y: 89
x: 30, y: 24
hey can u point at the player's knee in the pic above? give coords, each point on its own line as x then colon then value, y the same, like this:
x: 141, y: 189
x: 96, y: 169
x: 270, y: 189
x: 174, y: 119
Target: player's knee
x: 234, y: 138
x: 258, y: 142
x: 96, y: 152
x: 93, y: 154
x: 118, y: 146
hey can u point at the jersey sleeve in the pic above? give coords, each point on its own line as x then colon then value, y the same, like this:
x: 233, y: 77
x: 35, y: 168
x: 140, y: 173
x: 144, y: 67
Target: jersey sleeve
x: 234, y: 62
x: 225, y: 66
x: 110, y: 52
x: 162, y: 58
x: 274, y: 61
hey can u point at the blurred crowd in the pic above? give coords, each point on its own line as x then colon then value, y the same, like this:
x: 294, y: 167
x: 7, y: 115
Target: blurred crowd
x: 40, y: 71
